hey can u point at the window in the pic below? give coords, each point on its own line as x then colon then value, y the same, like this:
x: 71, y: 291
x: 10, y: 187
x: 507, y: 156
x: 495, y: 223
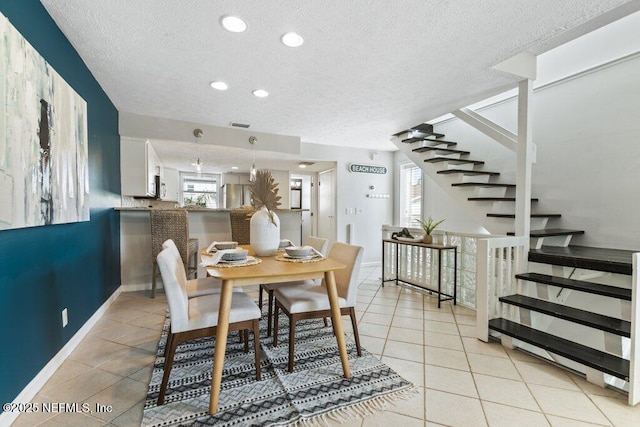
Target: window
x: 199, y: 190
x: 410, y: 195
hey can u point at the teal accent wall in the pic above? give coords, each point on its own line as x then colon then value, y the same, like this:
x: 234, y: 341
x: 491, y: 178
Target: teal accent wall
x: 75, y: 266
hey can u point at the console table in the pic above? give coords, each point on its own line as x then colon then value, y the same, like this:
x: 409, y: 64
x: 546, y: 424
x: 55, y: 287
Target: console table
x: 435, y: 247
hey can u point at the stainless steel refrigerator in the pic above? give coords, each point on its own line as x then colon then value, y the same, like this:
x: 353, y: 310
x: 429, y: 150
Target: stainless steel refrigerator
x: 235, y: 195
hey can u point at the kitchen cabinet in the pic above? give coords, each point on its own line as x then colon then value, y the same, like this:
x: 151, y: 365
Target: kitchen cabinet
x: 139, y: 165
x: 170, y: 185
x: 235, y: 178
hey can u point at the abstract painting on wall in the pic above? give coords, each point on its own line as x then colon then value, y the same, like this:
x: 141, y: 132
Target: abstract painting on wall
x: 44, y: 176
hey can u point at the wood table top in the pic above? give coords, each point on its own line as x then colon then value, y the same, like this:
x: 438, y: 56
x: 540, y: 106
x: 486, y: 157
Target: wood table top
x: 270, y: 270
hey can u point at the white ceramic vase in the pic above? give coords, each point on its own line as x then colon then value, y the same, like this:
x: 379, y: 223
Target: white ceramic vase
x: 265, y: 236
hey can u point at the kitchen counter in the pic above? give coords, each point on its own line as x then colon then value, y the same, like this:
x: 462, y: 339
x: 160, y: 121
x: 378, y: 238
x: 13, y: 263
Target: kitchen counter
x: 205, y: 224
x: 192, y: 209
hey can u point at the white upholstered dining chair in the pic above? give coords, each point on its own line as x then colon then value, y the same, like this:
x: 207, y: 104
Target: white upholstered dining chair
x: 200, y: 286
x: 197, y: 317
x: 318, y: 244
x: 311, y: 301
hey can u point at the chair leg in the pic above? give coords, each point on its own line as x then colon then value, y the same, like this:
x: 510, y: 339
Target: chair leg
x: 292, y: 339
x: 256, y: 343
x: 245, y: 334
x: 275, y: 327
x: 195, y: 265
x: 325, y: 322
x: 154, y: 276
x: 354, y: 324
x: 270, y: 313
x: 191, y: 266
x: 260, y: 289
x: 168, y: 343
x: 168, y: 363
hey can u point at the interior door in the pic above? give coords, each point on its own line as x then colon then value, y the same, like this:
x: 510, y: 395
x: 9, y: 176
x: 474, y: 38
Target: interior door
x: 326, y: 206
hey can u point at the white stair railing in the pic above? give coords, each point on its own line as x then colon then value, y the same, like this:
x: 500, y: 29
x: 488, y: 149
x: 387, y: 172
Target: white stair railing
x: 415, y: 265
x: 499, y: 259
x: 634, y: 367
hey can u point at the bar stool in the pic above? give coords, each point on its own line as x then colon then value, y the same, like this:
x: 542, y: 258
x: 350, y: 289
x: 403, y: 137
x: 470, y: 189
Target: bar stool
x: 240, y: 225
x: 173, y: 224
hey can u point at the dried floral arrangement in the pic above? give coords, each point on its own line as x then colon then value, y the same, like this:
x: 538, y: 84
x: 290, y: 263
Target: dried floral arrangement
x: 264, y: 191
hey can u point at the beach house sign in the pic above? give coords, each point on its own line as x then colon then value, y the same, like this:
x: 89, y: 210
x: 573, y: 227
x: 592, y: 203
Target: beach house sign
x: 375, y: 169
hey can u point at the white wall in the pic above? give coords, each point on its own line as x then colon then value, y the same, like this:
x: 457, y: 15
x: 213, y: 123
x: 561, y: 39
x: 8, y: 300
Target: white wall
x: 587, y: 133
x: 352, y: 190
x: 282, y: 179
x: 437, y: 203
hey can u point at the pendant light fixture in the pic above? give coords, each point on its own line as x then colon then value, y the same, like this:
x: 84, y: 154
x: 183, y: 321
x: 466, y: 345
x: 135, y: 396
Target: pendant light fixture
x: 253, y: 170
x: 197, y: 133
x: 198, y: 165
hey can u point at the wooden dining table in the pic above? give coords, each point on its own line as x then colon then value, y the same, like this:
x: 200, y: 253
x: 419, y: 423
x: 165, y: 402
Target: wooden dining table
x: 270, y: 270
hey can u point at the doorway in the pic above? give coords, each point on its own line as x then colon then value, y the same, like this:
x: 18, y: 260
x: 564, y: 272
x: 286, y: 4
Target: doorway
x: 326, y: 205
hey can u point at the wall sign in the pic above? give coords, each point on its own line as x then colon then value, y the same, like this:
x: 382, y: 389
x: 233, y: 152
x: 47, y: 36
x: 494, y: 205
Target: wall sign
x: 380, y: 170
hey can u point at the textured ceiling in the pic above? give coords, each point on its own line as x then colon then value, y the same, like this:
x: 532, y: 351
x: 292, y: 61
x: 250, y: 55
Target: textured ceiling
x: 367, y: 69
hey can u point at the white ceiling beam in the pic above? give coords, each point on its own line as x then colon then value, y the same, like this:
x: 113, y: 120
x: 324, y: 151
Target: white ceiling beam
x: 147, y: 127
x: 523, y: 65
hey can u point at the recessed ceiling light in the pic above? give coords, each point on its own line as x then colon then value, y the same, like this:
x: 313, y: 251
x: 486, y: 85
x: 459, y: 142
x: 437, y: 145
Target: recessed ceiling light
x: 233, y: 24
x: 292, y: 39
x: 302, y: 166
x: 219, y: 85
x: 234, y: 167
x: 260, y: 93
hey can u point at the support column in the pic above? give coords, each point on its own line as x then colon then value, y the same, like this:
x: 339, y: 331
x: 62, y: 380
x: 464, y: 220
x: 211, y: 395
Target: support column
x: 525, y: 157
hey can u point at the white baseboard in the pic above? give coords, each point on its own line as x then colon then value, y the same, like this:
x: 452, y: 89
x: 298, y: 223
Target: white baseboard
x: 371, y: 264
x: 34, y: 386
x: 132, y: 287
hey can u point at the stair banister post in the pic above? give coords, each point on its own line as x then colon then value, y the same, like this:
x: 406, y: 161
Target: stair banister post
x: 525, y: 157
x: 634, y: 367
x: 483, y: 286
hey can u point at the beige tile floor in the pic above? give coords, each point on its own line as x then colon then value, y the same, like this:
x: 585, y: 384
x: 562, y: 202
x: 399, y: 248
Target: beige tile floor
x: 461, y: 381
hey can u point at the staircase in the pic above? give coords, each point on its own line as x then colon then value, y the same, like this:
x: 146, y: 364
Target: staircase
x: 494, y: 200
x: 581, y: 324
x: 574, y: 306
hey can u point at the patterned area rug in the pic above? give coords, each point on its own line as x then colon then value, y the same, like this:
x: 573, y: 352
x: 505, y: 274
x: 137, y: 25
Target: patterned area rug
x: 315, y: 392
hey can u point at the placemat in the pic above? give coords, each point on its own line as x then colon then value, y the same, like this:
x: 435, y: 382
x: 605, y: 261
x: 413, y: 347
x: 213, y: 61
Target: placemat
x: 285, y: 259
x: 249, y: 262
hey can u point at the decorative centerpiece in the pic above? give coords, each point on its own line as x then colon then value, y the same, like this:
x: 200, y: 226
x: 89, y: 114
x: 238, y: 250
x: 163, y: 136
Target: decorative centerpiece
x: 428, y: 226
x: 265, y: 224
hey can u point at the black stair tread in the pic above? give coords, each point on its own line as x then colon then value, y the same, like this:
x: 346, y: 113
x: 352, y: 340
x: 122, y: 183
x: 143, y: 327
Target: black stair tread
x: 482, y: 184
x: 550, y: 232
x: 454, y: 160
x: 429, y: 140
x: 536, y: 215
x: 583, y: 317
x: 578, y: 285
x: 496, y: 199
x: 600, y: 259
x: 467, y: 172
x: 439, y: 150
x: 423, y: 128
x: 596, y: 359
